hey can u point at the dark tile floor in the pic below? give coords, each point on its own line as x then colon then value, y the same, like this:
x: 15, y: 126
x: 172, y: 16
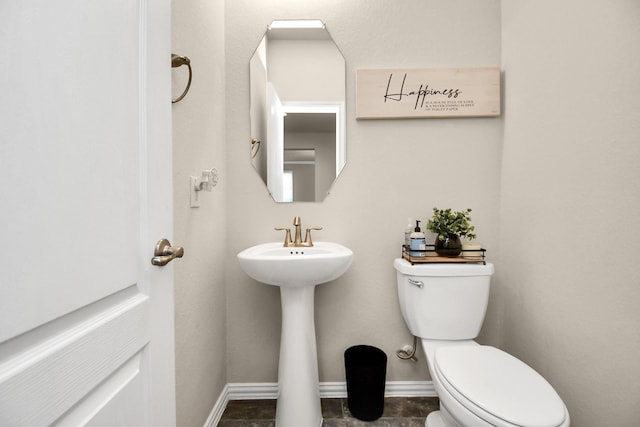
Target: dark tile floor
x: 398, y: 412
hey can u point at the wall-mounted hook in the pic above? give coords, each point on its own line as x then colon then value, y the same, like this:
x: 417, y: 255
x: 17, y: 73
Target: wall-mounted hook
x: 178, y: 61
x: 206, y: 182
x: 255, y: 147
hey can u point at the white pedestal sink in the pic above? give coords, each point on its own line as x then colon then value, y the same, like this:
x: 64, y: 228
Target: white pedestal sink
x: 297, y: 270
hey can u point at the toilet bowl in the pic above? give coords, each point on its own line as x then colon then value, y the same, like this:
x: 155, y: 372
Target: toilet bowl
x: 444, y: 305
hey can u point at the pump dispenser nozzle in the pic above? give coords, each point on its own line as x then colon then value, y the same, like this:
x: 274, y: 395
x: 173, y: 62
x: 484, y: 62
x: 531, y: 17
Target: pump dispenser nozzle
x: 417, y: 229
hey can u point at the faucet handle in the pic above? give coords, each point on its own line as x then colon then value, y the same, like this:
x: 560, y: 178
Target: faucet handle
x: 307, y: 238
x: 287, y: 236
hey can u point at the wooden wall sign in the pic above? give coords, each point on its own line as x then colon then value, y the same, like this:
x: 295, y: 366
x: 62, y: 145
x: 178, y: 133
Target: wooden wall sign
x: 427, y: 92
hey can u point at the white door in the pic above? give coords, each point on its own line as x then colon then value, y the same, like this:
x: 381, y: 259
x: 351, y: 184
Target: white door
x: 86, y: 322
x: 275, y: 146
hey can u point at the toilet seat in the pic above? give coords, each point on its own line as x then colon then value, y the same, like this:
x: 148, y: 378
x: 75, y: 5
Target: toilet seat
x: 498, y: 388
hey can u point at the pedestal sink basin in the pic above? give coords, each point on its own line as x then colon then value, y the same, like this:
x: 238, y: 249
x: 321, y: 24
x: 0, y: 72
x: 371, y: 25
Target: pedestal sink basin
x: 297, y: 270
x: 273, y: 264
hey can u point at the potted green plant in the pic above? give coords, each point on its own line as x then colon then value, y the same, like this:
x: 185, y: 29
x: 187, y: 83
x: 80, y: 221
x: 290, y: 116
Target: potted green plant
x: 450, y: 226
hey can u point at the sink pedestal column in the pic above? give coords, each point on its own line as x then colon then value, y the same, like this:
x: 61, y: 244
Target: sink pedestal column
x: 299, y: 393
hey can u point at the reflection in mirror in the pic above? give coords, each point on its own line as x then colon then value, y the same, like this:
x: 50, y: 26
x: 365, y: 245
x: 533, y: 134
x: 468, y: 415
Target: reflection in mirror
x: 298, y: 144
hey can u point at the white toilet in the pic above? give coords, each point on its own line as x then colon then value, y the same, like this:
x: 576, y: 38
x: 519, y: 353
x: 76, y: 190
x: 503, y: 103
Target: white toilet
x: 445, y: 305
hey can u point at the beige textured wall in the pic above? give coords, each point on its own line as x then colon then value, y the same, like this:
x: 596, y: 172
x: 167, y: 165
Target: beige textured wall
x: 395, y: 169
x: 568, y: 285
x: 199, y: 144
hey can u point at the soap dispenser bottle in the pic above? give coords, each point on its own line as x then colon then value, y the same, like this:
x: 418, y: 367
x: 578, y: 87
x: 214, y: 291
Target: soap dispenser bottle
x: 418, y: 243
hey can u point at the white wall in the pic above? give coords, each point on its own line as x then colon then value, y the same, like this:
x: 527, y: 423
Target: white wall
x: 553, y: 183
x: 199, y: 144
x: 395, y: 169
x: 306, y: 70
x: 568, y: 289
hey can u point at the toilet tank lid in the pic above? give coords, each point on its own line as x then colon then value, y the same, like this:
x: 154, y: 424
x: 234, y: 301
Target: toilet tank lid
x: 443, y: 269
x: 501, y: 385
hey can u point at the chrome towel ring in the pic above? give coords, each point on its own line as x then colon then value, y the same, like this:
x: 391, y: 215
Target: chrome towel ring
x: 178, y: 61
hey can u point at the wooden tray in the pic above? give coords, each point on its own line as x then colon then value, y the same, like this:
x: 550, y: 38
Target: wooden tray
x: 432, y: 257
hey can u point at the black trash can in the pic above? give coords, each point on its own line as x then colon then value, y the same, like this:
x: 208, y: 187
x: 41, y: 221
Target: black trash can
x: 366, y: 371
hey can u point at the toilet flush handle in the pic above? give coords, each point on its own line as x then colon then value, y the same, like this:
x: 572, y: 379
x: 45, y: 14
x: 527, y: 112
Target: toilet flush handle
x: 416, y: 283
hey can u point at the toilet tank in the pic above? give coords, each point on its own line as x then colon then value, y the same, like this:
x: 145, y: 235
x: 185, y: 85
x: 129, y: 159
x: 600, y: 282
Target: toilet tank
x: 443, y: 301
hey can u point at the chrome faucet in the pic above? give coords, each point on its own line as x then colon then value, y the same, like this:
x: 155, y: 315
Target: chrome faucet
x: 297, y: 240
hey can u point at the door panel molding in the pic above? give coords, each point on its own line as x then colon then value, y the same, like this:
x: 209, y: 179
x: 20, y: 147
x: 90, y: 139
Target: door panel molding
x: 55, y: 373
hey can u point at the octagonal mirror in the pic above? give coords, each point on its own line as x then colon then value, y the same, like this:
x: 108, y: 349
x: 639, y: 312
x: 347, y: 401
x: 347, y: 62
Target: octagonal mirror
x: 297, y: 85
